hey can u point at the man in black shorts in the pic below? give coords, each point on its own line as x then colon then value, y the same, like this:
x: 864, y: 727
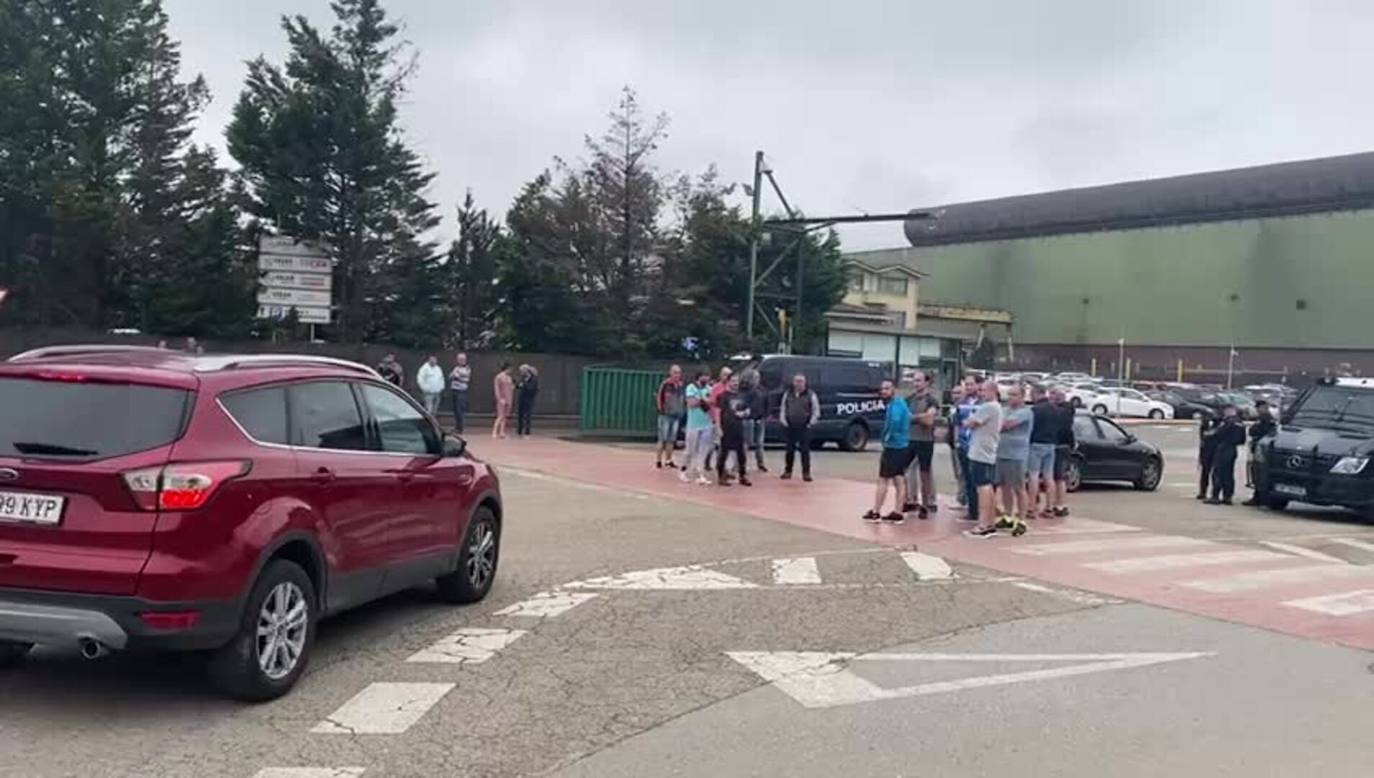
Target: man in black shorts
x: 919, y: 478
x: 1063, y: 450
x: 893, y: 462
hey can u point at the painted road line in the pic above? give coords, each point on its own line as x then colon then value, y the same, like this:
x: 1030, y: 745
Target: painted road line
x: 690, y: 578
x: 1301, y: 551
x: 1109, y: 544
x: 1344, y: 604
x: 547, y: 604
x: 823, y: 680
x: 468, y: 646
x: 927, y: 567
x: 310, y: 772
x: 1144, y: 564
x: 799, y: 570
x: 1263, y: 579
x: 536, y: 475
x: 383, y: 709
x: 1078, y: 525
x: 1080, y: 598
x: 1353, y: 543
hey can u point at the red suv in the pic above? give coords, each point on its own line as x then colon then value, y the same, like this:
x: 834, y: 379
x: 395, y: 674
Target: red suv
x: 154, y: 499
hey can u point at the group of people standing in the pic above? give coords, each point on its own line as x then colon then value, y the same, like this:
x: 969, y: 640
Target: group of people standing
x: 1219, y: 439
x: 512, y: 390
x: 1015, y: 455
x: 727, y: 418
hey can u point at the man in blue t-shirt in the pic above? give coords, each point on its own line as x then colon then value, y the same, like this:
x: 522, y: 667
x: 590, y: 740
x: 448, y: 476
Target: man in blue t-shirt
x: 700, y: 429
x: 896, y: 456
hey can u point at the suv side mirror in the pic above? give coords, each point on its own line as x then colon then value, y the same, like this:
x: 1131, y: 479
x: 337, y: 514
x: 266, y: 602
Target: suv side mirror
x: 454, y: 447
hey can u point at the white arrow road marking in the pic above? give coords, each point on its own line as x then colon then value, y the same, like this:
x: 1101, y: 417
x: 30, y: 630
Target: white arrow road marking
x: 1344, y: 604
x: 801, y: 570
x: 691, y: 577
x: 927, y: 567
x: 310, y: 772
x: 822, y: 679
x: 1289, y: 548
x: 547, y: 604
x: 383, y: 709
x: 468, y: 646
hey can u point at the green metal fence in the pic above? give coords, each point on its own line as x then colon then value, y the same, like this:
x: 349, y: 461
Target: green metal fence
x: 617, y: 401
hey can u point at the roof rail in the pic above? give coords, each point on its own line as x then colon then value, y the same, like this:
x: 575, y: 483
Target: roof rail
x: 238, y: 361
x: 76, y: 351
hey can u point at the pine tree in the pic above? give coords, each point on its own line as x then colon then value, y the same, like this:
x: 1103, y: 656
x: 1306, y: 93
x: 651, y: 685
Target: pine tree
x: 470, y: 278
x: 322, y: 153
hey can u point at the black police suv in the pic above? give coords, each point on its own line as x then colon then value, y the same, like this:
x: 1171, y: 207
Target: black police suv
x: 1320, y: 452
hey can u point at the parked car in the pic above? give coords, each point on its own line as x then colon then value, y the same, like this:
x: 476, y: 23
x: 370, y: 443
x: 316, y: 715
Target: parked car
x: 153, y: 499
x: 1073, y: 378
x: 1321, y: 450
x: 1105, y: 452
x: 1183, y: 409
x: 1116, y: 401
x: 1082, y: 395
x: 852, y: 411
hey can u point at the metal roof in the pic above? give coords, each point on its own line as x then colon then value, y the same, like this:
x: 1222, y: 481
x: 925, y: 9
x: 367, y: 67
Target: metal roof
x: 1287, y: 188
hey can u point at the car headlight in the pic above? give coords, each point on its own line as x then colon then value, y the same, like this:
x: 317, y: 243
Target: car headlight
x: 1349, y: 465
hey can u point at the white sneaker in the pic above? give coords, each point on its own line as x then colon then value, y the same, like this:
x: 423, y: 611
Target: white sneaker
x: 682, y: 476
x: 703, y: 481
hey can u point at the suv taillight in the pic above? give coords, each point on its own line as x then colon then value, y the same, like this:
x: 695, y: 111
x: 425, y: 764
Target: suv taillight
x: 181, y: 486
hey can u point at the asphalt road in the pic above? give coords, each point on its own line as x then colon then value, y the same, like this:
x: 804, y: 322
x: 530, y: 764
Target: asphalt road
x: 749, y: 647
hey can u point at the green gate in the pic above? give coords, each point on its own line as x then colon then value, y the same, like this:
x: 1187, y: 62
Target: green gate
x: 617, y: 401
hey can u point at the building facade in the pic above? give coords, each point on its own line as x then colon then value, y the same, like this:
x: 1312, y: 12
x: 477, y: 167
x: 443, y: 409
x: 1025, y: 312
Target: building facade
x: 1275, y: 261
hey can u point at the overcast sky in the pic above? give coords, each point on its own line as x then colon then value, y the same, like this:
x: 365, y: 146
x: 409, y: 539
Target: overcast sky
x: 860, y: 105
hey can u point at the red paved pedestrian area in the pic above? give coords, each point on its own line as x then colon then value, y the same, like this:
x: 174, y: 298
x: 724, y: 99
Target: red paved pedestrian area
x: 1326, y: 601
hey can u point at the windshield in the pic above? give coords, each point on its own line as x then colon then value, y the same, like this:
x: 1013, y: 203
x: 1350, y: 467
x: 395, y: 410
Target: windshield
x: 1343, y: 408
x: 50, y: 419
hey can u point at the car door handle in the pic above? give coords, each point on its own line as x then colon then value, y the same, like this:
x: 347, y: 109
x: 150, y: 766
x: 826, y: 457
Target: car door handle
x: 404, y: 476
x: 324, y: 475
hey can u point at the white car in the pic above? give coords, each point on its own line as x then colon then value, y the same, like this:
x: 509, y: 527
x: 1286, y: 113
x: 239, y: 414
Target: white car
x: 1073, y: 378
x: 1082, y: 395
x: 1113, y: 401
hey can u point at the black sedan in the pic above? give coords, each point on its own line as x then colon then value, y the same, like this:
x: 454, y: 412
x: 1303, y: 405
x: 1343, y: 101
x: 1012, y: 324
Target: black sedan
x: 1106, y: 452
x: 1184, y: 408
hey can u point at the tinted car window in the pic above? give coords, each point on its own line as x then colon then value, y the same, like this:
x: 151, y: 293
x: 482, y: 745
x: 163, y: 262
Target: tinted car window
x: 261, y: 413
x: 770, y: 374
x: 1084, y: 429
x: 1110, y: 432
x: 325, y: 415
x: 401, y: 428
x: 88, y: 419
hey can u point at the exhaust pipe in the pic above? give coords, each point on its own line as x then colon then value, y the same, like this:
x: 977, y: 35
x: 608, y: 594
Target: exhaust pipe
x: 93, y: 649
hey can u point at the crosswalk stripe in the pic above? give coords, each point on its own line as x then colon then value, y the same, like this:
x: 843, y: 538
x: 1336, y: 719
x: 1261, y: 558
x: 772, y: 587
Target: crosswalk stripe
x: 1343, y: 604
x: 1110, y: 544
x: 1179, y: 561
x: 1263, y: 579
x: 801, y: 570
x: 383, y: 709
x: 1353, y: 543
x: 547, y: 604
x: 927, y: 567
x: 468, y: 646
x: 1302, y: 551
x: 310, y: 772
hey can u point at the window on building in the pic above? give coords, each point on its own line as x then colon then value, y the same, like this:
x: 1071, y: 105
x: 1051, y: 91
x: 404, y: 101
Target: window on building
x: 892, y: 284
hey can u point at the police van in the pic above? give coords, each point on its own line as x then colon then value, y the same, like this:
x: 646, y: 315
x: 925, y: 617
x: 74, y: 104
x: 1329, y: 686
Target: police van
x: 852, y: 411
x: 1320, y: 452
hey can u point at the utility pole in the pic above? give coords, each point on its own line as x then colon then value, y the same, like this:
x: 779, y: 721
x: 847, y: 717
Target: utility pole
x: 754, y: 245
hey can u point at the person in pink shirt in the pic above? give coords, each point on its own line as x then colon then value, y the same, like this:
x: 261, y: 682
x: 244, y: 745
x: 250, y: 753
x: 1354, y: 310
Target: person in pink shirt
x: 503, y: 388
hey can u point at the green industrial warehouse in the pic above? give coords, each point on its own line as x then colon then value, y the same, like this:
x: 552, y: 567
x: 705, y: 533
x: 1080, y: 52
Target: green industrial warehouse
x: 1275, y: 261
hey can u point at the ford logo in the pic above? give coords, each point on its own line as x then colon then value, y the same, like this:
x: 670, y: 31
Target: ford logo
x: 1295, y: 462
x: 6, y: 474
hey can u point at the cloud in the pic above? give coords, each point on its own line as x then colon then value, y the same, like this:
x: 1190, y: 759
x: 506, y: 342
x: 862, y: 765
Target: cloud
x: 865, y: 105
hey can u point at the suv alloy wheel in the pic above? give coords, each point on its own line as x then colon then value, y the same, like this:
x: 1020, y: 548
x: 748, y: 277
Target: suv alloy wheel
x: 477, y: 560
x: 272, y: 647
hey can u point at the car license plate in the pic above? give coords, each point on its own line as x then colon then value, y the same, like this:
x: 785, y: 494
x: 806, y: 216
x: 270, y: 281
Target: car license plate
x: 33, y: 508
x: 1291, y: 490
